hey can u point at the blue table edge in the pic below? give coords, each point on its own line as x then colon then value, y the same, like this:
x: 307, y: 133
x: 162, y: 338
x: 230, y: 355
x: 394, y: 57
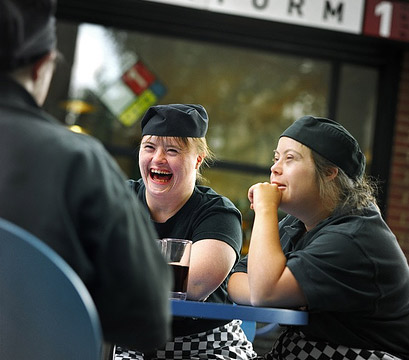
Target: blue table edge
x: 208, y: 310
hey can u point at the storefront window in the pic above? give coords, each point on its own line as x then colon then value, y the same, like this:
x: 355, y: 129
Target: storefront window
x: 251, y: 96
x: 356, y: 105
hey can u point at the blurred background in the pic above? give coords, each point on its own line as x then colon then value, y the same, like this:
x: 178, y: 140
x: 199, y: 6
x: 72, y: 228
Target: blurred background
x: 254, y: 69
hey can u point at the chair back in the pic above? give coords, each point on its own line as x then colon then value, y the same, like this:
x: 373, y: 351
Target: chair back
x: 46, y: 311
x: 249, y: 328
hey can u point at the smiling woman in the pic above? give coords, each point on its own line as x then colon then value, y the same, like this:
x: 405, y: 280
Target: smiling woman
x: 172, y: 151
x: 333, y: 228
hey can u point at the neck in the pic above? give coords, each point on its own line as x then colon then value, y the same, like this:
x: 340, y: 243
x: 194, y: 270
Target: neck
x: 24, y: 78
x: 163, y: 207
x: 311, y: 218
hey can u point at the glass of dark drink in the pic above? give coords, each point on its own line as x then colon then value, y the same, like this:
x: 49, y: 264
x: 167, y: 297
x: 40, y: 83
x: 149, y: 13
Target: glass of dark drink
x: 177, y: 253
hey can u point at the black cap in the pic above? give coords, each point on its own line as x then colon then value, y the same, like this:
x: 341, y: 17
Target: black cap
x: 179, y: 120
x: 332, y: 141
x: 27, y: 29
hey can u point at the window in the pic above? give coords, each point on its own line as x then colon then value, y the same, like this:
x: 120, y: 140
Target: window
x: 251, y: 97
x: 356, y: 105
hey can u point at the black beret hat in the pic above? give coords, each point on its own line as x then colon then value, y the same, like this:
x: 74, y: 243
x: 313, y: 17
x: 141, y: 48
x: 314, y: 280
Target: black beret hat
x: 330, y: 140
x: 27, y: 29
x: 179, y: 120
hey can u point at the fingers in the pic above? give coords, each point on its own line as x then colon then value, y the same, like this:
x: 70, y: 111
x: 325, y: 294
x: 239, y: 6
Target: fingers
x: 250, y: 194
x: 264, y: 195
x: 254, y: 188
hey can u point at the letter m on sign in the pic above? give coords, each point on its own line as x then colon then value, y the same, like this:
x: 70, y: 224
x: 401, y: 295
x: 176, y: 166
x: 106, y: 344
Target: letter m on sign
x: 333, y: 11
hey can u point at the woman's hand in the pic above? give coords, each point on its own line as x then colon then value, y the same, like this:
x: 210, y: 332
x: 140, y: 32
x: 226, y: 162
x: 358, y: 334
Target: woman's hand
x: 264, y: 196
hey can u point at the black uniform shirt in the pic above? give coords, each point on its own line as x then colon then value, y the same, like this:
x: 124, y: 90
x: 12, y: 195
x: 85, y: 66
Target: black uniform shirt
x: 206, y: 215
x: 355, y: 278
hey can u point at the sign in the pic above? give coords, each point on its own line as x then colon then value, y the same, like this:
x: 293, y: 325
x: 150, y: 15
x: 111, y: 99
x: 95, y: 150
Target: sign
x: 340, y: 15
x: 387, y: 19
x: 130, y: 96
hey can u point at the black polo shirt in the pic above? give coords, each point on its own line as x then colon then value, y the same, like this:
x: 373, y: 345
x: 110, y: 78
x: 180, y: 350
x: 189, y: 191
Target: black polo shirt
x: 355, y: 278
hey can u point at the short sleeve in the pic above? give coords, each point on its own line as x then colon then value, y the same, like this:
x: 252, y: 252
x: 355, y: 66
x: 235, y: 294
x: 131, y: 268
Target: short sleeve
x: 334, y: 273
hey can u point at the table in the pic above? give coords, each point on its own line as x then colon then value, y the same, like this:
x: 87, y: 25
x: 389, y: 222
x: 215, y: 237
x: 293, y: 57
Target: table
x: 206, y: 310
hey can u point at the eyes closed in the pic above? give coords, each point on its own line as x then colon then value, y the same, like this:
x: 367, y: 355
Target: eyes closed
x: 171, y: 150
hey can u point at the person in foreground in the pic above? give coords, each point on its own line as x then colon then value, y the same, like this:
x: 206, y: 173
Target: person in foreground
x: 172, y: 151
x: 65, y: 189
x: 333, y: 254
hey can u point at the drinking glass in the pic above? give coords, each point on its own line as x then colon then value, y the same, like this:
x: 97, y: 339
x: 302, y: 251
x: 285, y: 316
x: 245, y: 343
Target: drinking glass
x: 177, y: 253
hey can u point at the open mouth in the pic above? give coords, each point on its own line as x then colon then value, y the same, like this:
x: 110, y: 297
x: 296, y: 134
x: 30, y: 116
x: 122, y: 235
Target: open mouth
x: 160, y: 175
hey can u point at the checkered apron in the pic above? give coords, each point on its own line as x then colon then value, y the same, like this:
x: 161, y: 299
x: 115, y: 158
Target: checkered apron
x: 292, y: 345
x: 225, y: 342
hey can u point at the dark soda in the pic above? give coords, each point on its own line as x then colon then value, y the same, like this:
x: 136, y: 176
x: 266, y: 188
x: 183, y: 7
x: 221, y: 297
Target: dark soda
x: 180, y: 277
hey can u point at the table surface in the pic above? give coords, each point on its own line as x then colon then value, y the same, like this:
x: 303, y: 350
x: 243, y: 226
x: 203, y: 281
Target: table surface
x: 208, y: 310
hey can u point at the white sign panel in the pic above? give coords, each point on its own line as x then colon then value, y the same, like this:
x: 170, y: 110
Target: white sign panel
x: 199, y: 4
x: 339, y: 15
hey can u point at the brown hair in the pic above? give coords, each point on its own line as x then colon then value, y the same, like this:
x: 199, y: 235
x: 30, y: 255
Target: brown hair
x: 343, y: 193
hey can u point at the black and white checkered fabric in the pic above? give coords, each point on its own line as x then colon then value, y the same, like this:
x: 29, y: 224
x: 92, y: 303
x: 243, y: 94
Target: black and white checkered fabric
x: 224, y: 343
x: 294, y: 346
x: 126, y: 354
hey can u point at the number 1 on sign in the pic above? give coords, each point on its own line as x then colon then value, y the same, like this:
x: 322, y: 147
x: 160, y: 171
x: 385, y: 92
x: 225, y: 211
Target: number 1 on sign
x: 385, y: 10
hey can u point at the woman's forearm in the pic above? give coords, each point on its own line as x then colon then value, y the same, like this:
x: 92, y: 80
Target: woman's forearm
x: 266, y: 260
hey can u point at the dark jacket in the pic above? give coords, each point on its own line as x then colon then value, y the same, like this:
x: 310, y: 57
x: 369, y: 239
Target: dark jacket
x: 66, y: 189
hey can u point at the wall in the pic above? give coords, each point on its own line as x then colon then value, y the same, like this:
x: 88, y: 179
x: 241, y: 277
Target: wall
x: 398, y: 201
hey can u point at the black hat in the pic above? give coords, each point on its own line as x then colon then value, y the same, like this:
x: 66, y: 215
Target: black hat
x: 27, y: 29
x: 332, y: 141
x: 180, y: 120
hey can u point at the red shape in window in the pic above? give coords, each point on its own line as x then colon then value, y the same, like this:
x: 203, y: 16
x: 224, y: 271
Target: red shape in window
x: 138, y: 78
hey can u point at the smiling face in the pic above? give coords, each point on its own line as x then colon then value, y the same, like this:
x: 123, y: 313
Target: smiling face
x: 294, y: 173
x: 168, y: 167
